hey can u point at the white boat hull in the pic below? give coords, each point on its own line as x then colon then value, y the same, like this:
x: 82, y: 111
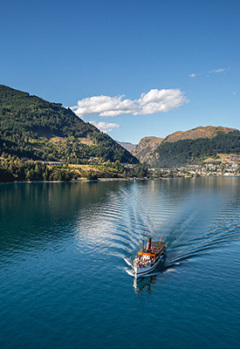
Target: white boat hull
x: 148, y: 269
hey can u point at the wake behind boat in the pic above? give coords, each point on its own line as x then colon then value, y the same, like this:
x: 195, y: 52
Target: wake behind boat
x: 148, y: 258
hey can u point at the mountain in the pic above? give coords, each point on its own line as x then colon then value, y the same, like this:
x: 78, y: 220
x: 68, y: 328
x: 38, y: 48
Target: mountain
x: 189, y: 147
x: 127, y: 145
x: 36, y: 129
x: 199, y: 132
x: 145, y: 148
x: 195, y: 146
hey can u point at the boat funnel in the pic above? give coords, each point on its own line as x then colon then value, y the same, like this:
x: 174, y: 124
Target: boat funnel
x: 149, y: 244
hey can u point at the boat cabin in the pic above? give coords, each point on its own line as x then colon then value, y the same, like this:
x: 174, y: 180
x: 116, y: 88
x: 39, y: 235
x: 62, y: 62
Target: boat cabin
x: 152, y: 249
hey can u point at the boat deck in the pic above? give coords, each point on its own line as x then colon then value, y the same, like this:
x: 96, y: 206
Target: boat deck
x: 156, y: 247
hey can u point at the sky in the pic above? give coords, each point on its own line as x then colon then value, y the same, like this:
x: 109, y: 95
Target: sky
x: 133, y: 68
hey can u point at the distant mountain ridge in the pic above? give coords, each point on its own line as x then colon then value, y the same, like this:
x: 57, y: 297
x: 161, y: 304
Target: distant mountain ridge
x: 189, y: 147
x: 33, y: 128
x: 127, y: 145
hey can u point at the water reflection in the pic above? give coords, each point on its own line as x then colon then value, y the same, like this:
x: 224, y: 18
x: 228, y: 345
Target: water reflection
x: 34, y: 213
x: 144, y: 283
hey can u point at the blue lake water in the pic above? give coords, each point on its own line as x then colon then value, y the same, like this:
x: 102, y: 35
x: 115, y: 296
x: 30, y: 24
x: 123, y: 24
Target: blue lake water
x: 64, y: 279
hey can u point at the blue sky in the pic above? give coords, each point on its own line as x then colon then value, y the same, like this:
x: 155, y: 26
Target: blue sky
x: 160, y: 66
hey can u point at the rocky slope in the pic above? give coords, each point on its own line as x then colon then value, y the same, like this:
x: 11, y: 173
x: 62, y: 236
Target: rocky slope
x: 145, y: 148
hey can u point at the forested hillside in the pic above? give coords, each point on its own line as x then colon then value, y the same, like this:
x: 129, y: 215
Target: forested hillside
x: 193, y: 151
x: 33, y: 128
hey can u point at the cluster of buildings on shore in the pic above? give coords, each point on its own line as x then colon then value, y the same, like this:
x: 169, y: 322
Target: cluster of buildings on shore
x: 226, y: 165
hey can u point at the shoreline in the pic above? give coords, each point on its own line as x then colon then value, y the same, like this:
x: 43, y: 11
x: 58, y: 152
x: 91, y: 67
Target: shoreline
x: 85, y: 180
x: 115, y: 179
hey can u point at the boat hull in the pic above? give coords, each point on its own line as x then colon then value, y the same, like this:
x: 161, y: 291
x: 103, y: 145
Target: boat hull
x: 140, y: 272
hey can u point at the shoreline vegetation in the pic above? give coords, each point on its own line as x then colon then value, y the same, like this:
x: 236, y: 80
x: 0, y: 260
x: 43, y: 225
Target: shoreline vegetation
x: 14, y: 169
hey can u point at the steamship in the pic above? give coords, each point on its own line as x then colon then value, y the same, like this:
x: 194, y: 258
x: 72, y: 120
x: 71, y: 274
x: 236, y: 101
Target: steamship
x: 148, y: 258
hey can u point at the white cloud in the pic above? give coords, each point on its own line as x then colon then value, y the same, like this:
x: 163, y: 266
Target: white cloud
x: 217, y: 71
x: 158, y: 101
x: 154, y: 101
x: 192, y: 75
x: 104, y: 126
x: 104, y: 106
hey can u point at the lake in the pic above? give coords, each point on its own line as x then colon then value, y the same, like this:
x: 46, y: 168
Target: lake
x: 65, y: 255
